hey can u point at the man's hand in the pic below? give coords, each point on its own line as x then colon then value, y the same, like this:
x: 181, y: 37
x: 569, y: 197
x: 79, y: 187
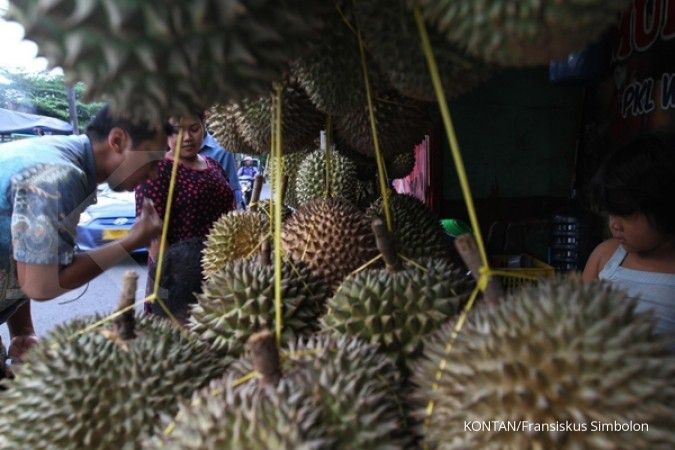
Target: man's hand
x: 148, y: 226
x: 20, y: 345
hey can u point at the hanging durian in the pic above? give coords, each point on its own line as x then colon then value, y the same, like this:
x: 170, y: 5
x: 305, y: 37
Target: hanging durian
x: 235, y: 235
x: 393, y: 39
x: 103, y: 389
x: 417, y: 230
x: 401, y: 165
x: 291, y: 164
x: 221, y: 123
x: 331, y: 236
x: 238, y: 300
x: 562, y: 354
x: 153, y: 57
x: 331, y: 72
x: 521, y: 33
x: 396, y: 307
x: 326, y: 175
x: 401, y: 123
x: 301, y: 123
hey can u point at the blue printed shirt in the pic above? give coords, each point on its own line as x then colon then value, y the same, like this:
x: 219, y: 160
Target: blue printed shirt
x: 45, y: 184
x: 212, y: 149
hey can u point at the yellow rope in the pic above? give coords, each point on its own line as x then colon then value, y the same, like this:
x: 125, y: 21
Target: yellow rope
x: 452, y: 137
x: 328, y: 166
x: 381, y: 171
x: 277, y: 215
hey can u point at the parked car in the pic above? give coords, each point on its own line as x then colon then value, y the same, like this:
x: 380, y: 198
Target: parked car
x: 109, y: 219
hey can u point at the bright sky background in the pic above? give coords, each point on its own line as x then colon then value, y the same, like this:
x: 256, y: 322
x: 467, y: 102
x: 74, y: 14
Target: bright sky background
x: 17, y: 54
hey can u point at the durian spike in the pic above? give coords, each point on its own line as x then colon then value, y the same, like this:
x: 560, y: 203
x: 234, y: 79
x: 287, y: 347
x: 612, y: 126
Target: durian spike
x: 262, y: 348
x: 385, y: 244
x: 257, y: 188
x: 125, y: 323
x: 265, y: 253
x: 468, y: 250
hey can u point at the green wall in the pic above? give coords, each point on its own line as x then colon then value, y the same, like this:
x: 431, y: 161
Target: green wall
x: 517, y: 134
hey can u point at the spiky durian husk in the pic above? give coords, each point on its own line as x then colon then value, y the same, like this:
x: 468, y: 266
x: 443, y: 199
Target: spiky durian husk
x: 521, y: 33
x: 561, y: 352
x: 393, y: 39
x: 395, y: 310
x: 235, y: 235
x: 342, y: 392
x: 401, y: 165
x: 366, y: 193
x: 401, y: 123
x: 151, y: 58
x: 417, y: 230
x: 221, y: 123
x: 266, y: 208
x: 366, y: 167
x: 331, y: 236
x: 227, y: 417
x: 301, y: 123
x: 238, y: 300
x: 331, y: 72
x: 92, y: 391
x: 291, y: 164
x: 326, y: 175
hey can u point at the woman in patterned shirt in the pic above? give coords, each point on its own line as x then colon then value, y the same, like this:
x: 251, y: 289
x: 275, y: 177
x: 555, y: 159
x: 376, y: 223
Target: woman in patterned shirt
x: 201, y: 195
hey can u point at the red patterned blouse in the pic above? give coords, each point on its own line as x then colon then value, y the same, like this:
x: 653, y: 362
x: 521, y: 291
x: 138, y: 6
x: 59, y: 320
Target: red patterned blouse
x: 200, y: 198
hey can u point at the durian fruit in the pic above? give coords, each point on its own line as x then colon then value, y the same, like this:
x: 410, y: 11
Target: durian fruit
x: 331, y: 72
x: 148, y: 57
x: 401, y: 123
x: 561, y: 354
x: 238, y: 300
x: 366, y: 167
x: 229, y: 417
x: 331, y: 236
x: 526, y: 33
x: 393, y: 39
x: 401, y: 165
x: 341, y: 391
x: 325, y: 174
x: 366, y: 193
x: 102, y: 389
x: 396, y: 307
x: 235, y: 235
x: 417, y: 231
x: 291, y: 164
x: 221, y: 122
x: 301, y: 123
x: 266, y: 209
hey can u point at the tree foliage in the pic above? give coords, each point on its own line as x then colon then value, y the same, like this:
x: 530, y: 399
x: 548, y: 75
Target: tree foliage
x: 45, y: 94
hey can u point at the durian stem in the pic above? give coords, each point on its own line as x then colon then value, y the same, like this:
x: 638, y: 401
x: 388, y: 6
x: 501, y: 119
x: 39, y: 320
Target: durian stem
x: 257, y: 188
x: 3, y: 361
x: 126, y: 323
x: 385, y: 244
x: 264, y: 355
x: 265, y: 254
x: 468, y: 250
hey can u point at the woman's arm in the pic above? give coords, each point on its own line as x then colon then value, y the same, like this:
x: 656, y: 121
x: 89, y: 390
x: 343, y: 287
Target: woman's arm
x: 598, y: 259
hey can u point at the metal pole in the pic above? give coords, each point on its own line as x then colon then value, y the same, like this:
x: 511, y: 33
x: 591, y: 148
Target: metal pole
x: 72, y: 108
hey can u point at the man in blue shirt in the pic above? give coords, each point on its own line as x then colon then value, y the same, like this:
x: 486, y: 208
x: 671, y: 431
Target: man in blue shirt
x: 45, y: 184
x: 212, y: 149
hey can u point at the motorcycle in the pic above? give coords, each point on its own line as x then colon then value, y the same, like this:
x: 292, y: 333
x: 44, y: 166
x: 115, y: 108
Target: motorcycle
x: 246, y: 185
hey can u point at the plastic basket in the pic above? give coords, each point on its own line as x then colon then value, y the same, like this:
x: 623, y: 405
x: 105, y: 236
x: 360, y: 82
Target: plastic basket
x: 533, y: 270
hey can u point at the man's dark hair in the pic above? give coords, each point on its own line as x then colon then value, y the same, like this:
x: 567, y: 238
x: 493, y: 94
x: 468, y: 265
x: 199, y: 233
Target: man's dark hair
x: 639, y: 178
x: 104, y: 121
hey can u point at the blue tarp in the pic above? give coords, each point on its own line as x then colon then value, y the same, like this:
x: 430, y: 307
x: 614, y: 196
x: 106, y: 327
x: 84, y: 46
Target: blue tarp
x: 19, y: 122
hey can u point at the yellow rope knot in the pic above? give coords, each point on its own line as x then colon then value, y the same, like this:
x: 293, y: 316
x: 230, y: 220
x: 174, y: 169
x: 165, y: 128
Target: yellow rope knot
x: 484, y: 274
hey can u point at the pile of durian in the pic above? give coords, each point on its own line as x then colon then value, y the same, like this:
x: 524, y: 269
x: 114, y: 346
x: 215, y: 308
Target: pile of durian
x: 362, y: 351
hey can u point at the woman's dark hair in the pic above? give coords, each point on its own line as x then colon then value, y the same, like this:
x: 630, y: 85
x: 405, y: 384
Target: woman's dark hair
x: 104, y: 121
x: 639, y: 178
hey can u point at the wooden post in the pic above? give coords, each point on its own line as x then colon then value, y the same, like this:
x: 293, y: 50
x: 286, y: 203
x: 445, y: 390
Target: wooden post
x: 468, y: 250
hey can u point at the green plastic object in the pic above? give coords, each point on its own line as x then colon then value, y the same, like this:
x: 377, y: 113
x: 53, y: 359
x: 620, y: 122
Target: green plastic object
x: 455, y: 227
